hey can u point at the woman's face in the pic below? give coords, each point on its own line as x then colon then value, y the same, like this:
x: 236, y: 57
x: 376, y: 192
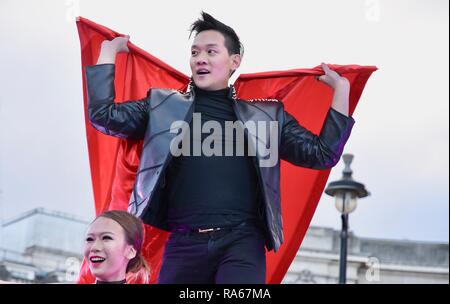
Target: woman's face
x: 107, y: 251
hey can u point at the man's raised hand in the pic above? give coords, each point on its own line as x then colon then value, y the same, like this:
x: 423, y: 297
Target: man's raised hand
x: 341, y: 87
x: 109, y: 49
x: 332, y: 78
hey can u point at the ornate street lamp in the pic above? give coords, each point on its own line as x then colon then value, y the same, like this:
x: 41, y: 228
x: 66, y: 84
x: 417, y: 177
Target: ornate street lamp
x: 346, y: 191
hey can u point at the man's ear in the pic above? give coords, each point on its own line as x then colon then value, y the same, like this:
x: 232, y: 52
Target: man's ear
x: 131, y: 253
x: 236, y: 61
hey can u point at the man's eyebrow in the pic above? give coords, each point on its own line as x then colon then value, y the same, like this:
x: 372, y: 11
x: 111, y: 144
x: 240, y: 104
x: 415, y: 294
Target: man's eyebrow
x: 209, y: 44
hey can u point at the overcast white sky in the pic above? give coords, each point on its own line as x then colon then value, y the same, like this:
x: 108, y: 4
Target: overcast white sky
x: 400, y: 140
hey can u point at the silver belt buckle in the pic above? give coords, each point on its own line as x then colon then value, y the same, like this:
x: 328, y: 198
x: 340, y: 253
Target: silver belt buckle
x: 207, y: 230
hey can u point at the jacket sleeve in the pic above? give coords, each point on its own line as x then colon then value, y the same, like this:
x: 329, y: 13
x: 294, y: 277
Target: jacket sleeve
x: 301, y: 147
x: 125, y: 120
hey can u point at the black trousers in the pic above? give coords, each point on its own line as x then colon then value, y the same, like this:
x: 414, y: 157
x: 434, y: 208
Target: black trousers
x: 235, y: 256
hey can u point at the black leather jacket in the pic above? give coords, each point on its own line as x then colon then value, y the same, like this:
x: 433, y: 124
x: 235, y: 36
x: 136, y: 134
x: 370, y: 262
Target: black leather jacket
x: 150, y: 119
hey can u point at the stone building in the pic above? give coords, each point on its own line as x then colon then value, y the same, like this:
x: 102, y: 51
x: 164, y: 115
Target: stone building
x: 369, y: 260
x: 41, y: 246
x: 46, y: 246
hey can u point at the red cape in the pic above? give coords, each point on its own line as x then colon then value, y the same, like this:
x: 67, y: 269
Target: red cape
x: 114, y: 161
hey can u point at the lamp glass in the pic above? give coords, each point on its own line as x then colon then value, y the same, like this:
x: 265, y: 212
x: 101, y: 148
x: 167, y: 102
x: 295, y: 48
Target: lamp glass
x: 345, y: 202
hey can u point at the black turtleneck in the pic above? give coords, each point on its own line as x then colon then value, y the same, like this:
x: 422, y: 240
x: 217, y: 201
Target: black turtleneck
x: 204, y: 191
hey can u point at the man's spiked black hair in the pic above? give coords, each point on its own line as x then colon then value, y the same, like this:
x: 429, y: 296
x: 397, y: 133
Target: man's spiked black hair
x: 208, y: 22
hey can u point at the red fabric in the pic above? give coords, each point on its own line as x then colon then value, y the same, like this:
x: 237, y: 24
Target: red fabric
x: 114, y: 162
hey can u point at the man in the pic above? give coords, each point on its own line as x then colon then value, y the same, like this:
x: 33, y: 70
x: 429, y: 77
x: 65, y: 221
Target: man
x: 221, y: 208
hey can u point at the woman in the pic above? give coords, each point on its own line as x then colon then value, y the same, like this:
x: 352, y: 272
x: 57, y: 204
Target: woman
x: 113, y: 248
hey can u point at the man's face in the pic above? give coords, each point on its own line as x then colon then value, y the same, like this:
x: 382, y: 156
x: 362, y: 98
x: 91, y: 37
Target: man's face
x: 211, y: 64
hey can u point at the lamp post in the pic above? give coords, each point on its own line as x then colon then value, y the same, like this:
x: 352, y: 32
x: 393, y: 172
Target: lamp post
x: 346, y: 191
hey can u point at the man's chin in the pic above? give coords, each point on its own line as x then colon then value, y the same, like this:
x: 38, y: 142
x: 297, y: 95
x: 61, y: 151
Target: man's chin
x: 209, y: 86
x: 202, y: 85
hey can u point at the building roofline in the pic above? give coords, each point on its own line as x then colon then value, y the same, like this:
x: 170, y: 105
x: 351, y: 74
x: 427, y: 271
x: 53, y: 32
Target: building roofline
x: 44, y: 211
x: 387, y: 240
